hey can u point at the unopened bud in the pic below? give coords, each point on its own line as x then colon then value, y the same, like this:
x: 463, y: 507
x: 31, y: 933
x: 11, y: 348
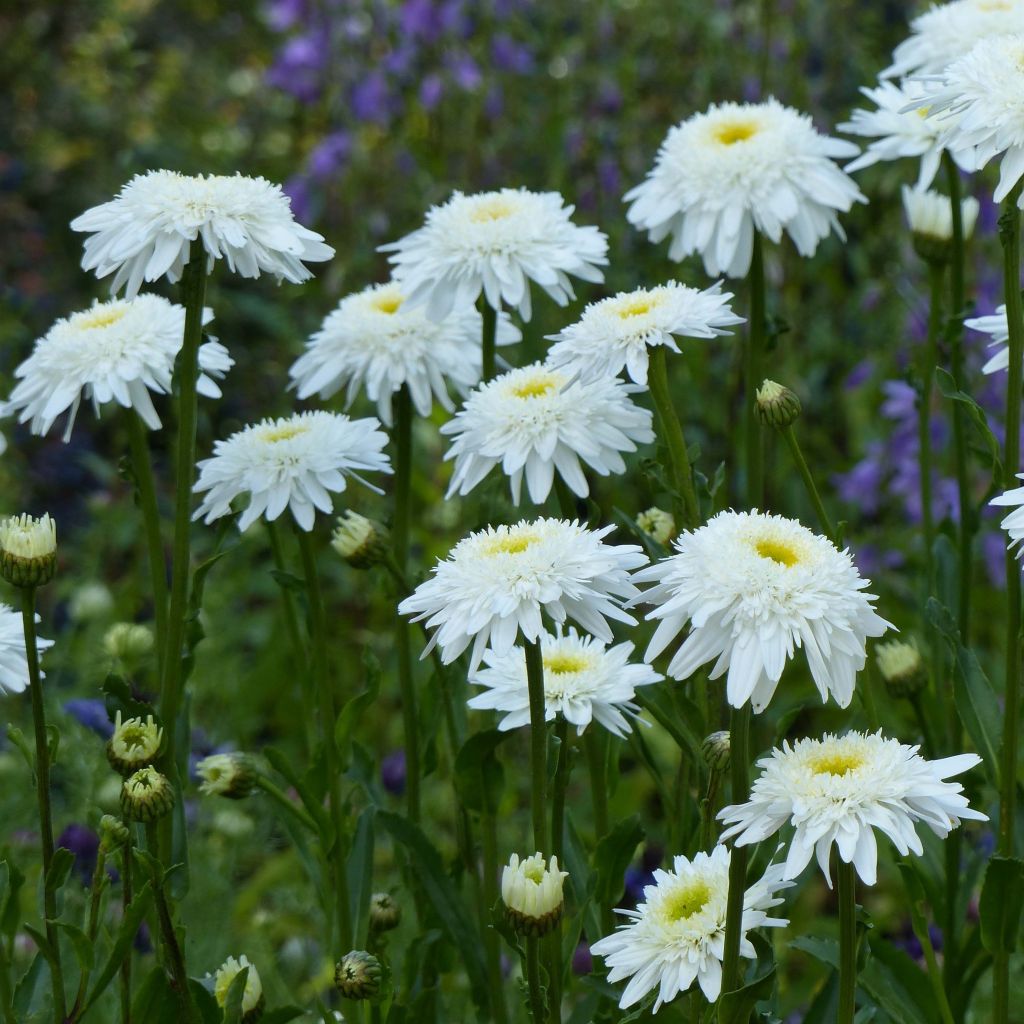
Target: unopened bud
x: 776, y: 405
x: 128, y: 642
x: 901, y: 667
x: 385, y: 912
x: 358, y: 975
x: 228, y: 775
x: 532, y: 893
x: 146, y: 795
x: 717, y: 750
x: 28, y: 550
x: 134, y: 744
x: 114, y: 833
x: 362, y: 542
x: 930, y: 216
x: 657, y: 523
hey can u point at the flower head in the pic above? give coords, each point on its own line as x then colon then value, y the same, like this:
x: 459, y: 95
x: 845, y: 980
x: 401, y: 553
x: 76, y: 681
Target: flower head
x: 292, y: 462
x: 901, y: 667
x: 252, y: 997
x: 134, y: 744
x: 658, y: 524
x: 739, y: 168
x: 776, y: 405
x: 375, y: 341
x: 128, y: 642
x: 754, y: 587
x: 930, y: 217
x: 531, y: 890
x: 536, y: 419
x: 362, y: 542
x: 228, y: 775
x: 1013, y: 522
x: 13, y: 662
x: 147, y: 230
x: 385, y: 913
x: 146, y: 795
x: 617, y: 332
x: 28, y: 550
x: 357, y: 975
x: 839, y: 789
x: 117, y: 351
x: 677, y: 934
x: 498, y: 582
x: 497, y: 243
x: 994, y: 325
x: 584, y: 681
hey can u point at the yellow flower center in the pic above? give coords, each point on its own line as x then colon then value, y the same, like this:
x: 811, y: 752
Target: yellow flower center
x: 388, y: 303
x: 637, y: 305
x: 535, y: 873
x: 562, y: 662
x: 102, y: 316
x: 509, y: 544
x: 994, y: 5
x: 491, y: 209
x: 688, y: 900
x: 777, y: 551
x: 536, y: 387
x: 284, y: 433
x: 735, y: 131
x: 133, y: 736
x: 836, y: 762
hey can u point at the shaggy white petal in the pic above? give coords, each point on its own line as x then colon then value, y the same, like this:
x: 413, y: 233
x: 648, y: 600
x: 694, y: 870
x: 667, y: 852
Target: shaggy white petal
x: 1013, y: 523
x: 931, y: 213
x: 13, y: 662
x: 837, y: 789
x: 994, y: 325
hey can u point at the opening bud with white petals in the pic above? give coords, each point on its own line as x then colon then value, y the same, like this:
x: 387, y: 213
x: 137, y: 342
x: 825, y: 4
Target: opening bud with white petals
x: 253, y: 1000
x: 362, y: 542
x: 28, y: 550
x: 134, y: 744
x: 229, y: 775
x: 901, y: 667
x: 776, y: 405
x: 532, y: 892
x: 146, y: 795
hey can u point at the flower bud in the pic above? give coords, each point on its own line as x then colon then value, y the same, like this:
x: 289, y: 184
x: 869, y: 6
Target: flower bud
x: 146, y: 795
x: 657, y: 523
x: 28, y: 550
x: 228, y: 775
x: 776, y: 405
x: 930, y: 216
x: 532, y: 892
x: 128, y: 642
x: 90, y: 601
x: 134, y: 744
x: 114, y: 833
x: 901, y: 667
x: 385, y: 912
x: 358, y: 975
x: 252, y: 998
x: 717, y: 748
x: 362, y: 542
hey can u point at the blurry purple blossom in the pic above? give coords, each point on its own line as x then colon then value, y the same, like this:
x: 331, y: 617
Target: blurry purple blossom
x: 330, y: 155
x: 494, y: 102
x: 283, y: 14
x: 608, y: 176
x: 465, y: 72
x: 299, y: 66
x: 510, y: 55
x: 582, y: 960
x: 85, y: 845
x: 392, y: 772
x: 297, y: 188
x: 92, y: 713
x: 431, y: 90
x: 371, y: 99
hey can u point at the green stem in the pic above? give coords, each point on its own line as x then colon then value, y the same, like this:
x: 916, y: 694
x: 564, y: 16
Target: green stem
x: 596, y: 747
x: 929, y: 361
x: 739, y: 733
x: 561, y: 784
x: 488, y: 338
x: 325, y: 703
x: 708, y: 808
x: 754, y: 375
x: 492, y: 944
x: 846, y: 889
x: 142, y: 466
x: 290, y: 807
x: 927, y: 739
x: 96, y: 887
x: 536, y: 993
x: 126, y: 963
x: 1009, y: 234
x: 920, y: 926
x: 684, y: 499
x: 400, y: 538
x: 28, y: 618
x: 538, y: 746
x: 789, y: 434
x: 175, y: 957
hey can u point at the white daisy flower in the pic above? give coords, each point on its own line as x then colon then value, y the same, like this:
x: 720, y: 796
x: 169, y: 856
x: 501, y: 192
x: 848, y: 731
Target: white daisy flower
x: 677, y: 935
x: 292, y: 462
x: 496, y: 242
x: 117, y: 351
x: 930, y: 214
x: 838, y: 789
x: 534, y: 420
x: 994, y: 325
x: 497, y: 582
x: 13, y: 661
x: 617, y: 332
x: 946, y: 32
x: 740, y: 167
x: 1013, y: 523
x: 584, y: 681
x: 897, y: 131
x: 146, y: 231
x: 374, y: 341
x: 753, y: 588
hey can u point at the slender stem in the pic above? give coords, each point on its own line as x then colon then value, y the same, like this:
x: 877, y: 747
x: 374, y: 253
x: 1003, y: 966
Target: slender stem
x: 28, y: 618
x: 596, y: 747
x: 561, y: 784
x: 753, y: 375
x: 929, y: 360
x: 846, y: 889
x: 96, y: 887
x: 1009, y: 234
x: 927, y: 739
x: 739, y: 733
x: 684, y: 499
x: 708, y: 808
x: 290, y: 806
x: 492, y: 944
x: 126, y: 963
x: 920, y: 926
x: 400, y: 538
x: 325, y: 702
x: 176, y: 959
x: 789, y: 434
x: 866, y: 691
x: 538, y: 745
x: 488, y: 338
x: 536, y: 993
x: 142, y: 467
x: 6, y: 995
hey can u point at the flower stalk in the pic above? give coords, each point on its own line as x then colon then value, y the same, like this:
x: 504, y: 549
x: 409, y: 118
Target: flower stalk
x: 538, y: 746
x: 846, y: 889
x: 753, y: 375
x: 789, y: 436
x: 488, y: 339
x: 739, y: 733
x: 684, y: 499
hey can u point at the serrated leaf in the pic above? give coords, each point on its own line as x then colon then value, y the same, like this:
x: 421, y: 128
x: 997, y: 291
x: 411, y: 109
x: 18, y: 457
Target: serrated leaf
x: 1002, y: 893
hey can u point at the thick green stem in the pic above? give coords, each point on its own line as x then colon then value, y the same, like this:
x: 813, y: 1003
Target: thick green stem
x: 536, y: 993
x: 325, y: 704
x: 175, y: 958
x: 846, y: 891
x: 684, y: 500
x: 561, y: 784
x: 1009, y: 234
x: 753, y: 376
x: 538, y: 746
x: 488, y: 338
x: 492, y: 944
x: 596, y: 747
x: 28, y: 618
x: 739, y: 734
x: 809, y: 485
x: 142, y: 467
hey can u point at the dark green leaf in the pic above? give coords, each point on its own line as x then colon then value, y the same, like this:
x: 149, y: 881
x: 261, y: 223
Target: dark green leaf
x: 612, y: 856
x: 479, y: 776
x: 60, y: 867
x: 233, y: 999
x: 664, y: 707
x: 825, y: 950
x: 28, y: 986
x: 83, y: 946
x: 11, y: 881
x: 359, y: 871
x: 354, y: 709
x: 314, y: 806
x: 991, y: 449
x: 119, y: 697
x: 155, y: 1001
x: 898, y: 985
x: 289, y: 581
x: 205, y: 1003
x: 736, y: 1007
x: 122, y: 943
x: 1001, y: 896
x: 282, y: 1015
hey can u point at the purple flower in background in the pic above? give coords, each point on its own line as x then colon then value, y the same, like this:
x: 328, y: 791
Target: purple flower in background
x: 92, y: 713
x: 85, y: 845
x: 609, y: 97
x: 640, y: 875
x: 422, y: 18
x: 283, y: 14
x: 297, y: 189
x: 582, y: 960
x: 299, y: 66
x: 465, y: 72
x: 608, y: 176
x: 392, y: 772
x: 399, y: 61
x: 330, y: 155
x: 371, y: 99
x: 431, y: 90
x: 510, y: 55
x: 494, y: 102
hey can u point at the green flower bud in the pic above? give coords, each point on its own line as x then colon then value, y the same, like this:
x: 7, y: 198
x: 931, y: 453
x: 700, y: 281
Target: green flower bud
x: 532, y: 892
x: 253, y: 1001
x: 362, y: 542
x: 114, y: 833
x: 146, y: 795
x: 902, y: 668
x: 28, y: 550
x: 128, y: 642
x: 717, y: 749
x: 358, y: 975
x: 385, y: 912
x: 134, y: 744
x: 228, y: 775
x: 776, y: 405
x: 657, y: 523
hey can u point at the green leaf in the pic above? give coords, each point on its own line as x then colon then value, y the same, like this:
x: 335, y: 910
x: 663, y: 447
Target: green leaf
x: 122, y: 943
x: 233, y: 999
x: 1001, y: 896
x: 897, y: 985
x: 25, y: 993
x: 735, y: 1007
x: 83, y: 946
x: 60, y: 867
x: 612, y: 856
x: 359, y: 871
x: 289, y: 581
x: 119, y: 697
x: 666, y: 707
x: 42, y: 943
x: 479, y: 776
x: 18, y: 738
x: 11, y: 881
x: 282, y: 1015
x: 205, y: 1002
x: 354, y: 709
x: 313, y: 805
x: 155, y: 1000
x: 825, y: 950
x: 580, y: 876
x: 991, y: 451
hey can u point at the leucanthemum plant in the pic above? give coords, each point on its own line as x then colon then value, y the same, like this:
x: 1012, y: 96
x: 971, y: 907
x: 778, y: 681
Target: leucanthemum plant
x: 498, y: 584
x: 585, y: 681
x: 117, y: 351
x: 753, y: 588
x: 14, y: 676
x: 496, y: 243
x: 617, y: 332
x: 676, y: 936
x: 994, y: 325
x: 1013, y: 521
x: 146, y: 232
x: 738, y: 168
x: 536, y: 420
x: 839, y: 789
x: 292, y: 462
x: 376, y: 342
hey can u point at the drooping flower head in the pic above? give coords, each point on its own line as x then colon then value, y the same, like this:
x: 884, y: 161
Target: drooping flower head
x: 293, y: 462
x: 994, y: 325
x: 13, y: 662
x: 374, y: 341
x: 535, y: 420
x: 839, y: 789
x: 497, y: 243
x: 117, y: 351
x: 676, y: 936
x: 617, y: 332
x: 739, y: 168
x: 500, y: 581
x: 754, y: 587
x: 147, y: 230
x: 584, y: 681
